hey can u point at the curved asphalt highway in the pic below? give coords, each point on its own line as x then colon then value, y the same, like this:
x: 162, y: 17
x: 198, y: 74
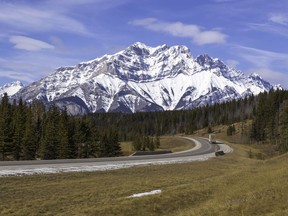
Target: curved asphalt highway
x: 202, y: 147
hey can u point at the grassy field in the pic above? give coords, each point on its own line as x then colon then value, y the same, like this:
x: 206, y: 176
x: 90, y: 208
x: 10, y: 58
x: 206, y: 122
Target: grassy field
x: 172, y: 143
x: 229, y: 185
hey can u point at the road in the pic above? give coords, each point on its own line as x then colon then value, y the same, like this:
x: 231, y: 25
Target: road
x: 202, y: 151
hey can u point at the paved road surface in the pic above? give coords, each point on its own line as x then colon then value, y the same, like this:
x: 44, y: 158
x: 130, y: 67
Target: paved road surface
x: 202, y: 151
x: 205, y: 148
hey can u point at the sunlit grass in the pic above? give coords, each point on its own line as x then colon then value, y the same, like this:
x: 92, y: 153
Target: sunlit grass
x: 229, y: 185
x: 171, y: 143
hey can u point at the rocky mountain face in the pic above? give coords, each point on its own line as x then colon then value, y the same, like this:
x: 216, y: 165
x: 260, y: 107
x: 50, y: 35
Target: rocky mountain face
x: 143, y: 78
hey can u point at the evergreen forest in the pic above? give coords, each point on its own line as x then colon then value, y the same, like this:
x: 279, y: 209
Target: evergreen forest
x: 30, y: 131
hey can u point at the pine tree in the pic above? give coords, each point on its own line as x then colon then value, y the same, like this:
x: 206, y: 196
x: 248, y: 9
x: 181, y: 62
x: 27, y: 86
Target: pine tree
x: 283, y: 146
x: 151, y: 144
x: 38, y: 114
x: 157, y: 143
x: 29, y: 142
x: 109, y: 145
x: 5, y: 127
x: 136, y: 143
x: 94, y: 143
x: 114, y: 144
x: 64, y: 149
x: 83, y: 136
x: 19, y: 118
x: 104, y: 142
x: 50, y: 140
x: 231, y: 130
x: 260, y: 119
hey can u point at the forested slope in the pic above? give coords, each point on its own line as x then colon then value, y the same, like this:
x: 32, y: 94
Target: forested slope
x: 30, y: 131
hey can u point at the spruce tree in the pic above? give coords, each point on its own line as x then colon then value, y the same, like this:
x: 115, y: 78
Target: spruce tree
x: 115, y: 145
x: 29, y: 142
x: 19, y: 118
x: 64, y: 149
x: 38, y: 114
x: 50, y: 138
x: 259, y: 122
x: 5, y: 127
x: 83, y: 136
x: 136, y: 143
x: 283, y: 146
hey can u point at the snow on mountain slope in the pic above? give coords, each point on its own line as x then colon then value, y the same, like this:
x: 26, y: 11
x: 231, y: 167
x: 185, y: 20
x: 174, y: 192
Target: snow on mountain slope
x: 11, y: 88
x: 143, y: 78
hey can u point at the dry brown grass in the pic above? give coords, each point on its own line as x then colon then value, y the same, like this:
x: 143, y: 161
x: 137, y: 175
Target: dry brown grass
x: 229, y: 185
x: 171, y: 143
x: 175, y: 143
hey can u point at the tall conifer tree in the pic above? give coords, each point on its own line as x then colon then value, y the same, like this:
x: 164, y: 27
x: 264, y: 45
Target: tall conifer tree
x: 5, y: 127
x: 50, y: 138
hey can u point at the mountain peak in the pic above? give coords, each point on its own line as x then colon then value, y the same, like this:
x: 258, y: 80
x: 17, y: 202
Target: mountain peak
x: 180, y: 49
x: 139, y: 45
x: 204, y: 60
x: 255, y: 76
x: 11, y: 88
x: 208, y: 62
x: 142, y: 49
x: 138, y: 49
x: 15, y: 83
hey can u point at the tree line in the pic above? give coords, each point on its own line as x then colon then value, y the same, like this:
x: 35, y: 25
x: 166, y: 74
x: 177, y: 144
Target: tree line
x: 31, y: 131
x: 270, y: 119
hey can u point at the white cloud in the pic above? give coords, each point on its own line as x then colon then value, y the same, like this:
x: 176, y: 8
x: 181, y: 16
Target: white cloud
x: 179, y: 29
x: 279, y: 19
x: 29, y: 44
x: 39, y: 20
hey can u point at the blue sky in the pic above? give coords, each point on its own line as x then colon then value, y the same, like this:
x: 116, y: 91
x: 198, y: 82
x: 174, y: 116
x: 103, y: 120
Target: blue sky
x: 38, y: 36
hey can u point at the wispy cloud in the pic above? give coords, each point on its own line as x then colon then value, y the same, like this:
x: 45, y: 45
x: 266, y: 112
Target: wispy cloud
x: 29, y: 44
x: 276, y: 24
x: 23, y: 17
x: 262, y: 58
x: 99, y: 4
x: 23, y: 77
x: 270, y: 28
x: 31, y: 67
x: 272, y: 66
x: 281, y: 19
x: 232, y: 63
x: 197, y: 34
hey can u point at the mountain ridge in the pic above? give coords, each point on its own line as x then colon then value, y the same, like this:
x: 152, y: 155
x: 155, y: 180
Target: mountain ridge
x: 143, y: 78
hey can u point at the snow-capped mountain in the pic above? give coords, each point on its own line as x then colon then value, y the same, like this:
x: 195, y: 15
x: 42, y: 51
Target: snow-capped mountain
x: 143, y: 78
x: 11, y: 88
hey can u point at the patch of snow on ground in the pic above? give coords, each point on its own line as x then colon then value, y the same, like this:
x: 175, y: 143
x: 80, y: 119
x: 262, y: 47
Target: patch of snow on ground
x: 145, y: 193
x: 91, y: 168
